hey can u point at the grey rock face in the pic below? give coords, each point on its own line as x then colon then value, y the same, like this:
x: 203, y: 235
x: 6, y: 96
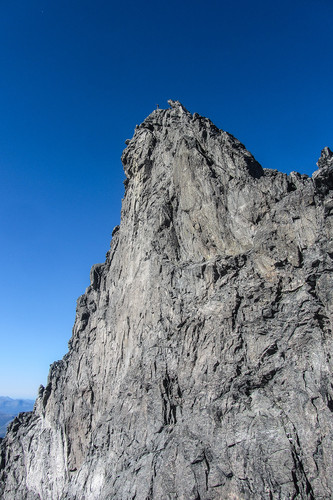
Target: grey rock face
x: 200, y: 365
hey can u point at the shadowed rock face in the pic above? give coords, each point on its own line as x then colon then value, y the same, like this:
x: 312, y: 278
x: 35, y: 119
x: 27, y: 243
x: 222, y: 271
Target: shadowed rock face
x: 200, y: 362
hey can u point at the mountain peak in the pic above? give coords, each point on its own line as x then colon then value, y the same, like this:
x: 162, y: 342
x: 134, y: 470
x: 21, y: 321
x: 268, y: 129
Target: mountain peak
x: 200, y: 359
x: 326, y: 158
x: 167, y: 132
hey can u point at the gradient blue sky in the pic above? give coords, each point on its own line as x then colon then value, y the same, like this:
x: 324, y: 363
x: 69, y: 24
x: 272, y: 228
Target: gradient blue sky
x: 76, y: 77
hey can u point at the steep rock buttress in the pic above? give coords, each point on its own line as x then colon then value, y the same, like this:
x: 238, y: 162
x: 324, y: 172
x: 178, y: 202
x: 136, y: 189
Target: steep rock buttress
x: 200, y: 361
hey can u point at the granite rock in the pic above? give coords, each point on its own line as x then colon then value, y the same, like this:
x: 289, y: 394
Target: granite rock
x: 200, y: 364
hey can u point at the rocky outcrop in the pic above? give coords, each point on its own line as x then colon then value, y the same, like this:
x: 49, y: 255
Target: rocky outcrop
x: 200, y: 361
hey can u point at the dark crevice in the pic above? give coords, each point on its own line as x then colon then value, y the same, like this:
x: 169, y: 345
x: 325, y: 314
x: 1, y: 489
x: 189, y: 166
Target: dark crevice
x: 169, y: 406
x: 235, y: 311
x: 329, y: 403
x: 300, y: 479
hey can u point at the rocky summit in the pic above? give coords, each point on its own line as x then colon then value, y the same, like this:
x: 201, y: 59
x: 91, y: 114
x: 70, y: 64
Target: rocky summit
x: 200, y: 365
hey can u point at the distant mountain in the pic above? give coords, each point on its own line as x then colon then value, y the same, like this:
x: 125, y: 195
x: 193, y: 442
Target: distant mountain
x: 4, y: 421
x: 9, y: 408
x: 9, y: 405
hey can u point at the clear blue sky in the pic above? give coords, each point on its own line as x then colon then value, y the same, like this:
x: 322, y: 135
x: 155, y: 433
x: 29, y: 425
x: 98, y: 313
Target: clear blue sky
x: 76, y: 76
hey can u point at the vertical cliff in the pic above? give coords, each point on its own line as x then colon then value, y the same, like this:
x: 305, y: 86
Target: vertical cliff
x: 200, y: 361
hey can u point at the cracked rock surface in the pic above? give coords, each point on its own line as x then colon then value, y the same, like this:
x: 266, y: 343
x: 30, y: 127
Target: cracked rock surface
x: 200, y: 362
